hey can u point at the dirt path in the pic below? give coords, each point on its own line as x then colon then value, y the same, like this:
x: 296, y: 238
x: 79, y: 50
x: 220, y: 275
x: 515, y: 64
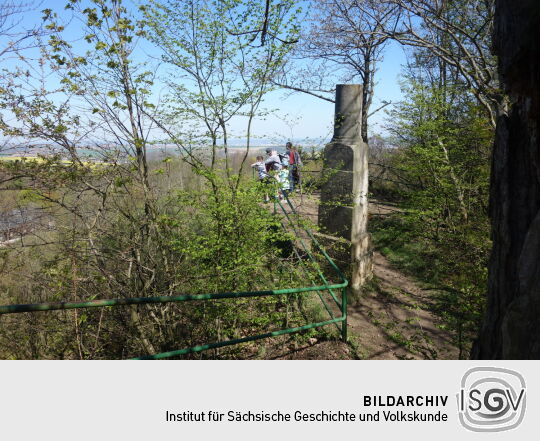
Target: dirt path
x: 392, y: 319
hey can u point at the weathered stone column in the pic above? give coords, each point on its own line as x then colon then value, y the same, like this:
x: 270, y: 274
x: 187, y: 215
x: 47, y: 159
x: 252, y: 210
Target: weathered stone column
x: 343, y: 210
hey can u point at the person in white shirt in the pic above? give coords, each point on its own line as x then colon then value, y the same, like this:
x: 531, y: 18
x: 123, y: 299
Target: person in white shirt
x: 264, y: 177
x: 272, y: 161
x: 261, y: 168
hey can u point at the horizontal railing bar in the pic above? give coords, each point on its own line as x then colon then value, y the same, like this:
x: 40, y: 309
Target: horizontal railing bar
x: 51, y: 306
x: 322, y: 250
x: 11, y: 309
x: 318, y: 245
x: 321, y: 275
x: 238, y: 340
x: 306, y: 272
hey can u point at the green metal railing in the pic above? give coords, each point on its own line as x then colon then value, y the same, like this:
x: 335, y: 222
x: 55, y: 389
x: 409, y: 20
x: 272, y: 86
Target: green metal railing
x: 318, y: 287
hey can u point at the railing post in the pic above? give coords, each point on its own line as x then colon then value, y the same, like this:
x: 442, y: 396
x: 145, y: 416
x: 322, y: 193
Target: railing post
x: 344, y: 314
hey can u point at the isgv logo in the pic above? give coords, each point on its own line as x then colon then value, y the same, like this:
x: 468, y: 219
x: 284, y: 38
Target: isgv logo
x: 491, y: 399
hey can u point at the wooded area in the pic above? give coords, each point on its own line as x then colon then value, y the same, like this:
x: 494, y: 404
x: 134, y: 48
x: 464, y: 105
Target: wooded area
x: 89, y: 210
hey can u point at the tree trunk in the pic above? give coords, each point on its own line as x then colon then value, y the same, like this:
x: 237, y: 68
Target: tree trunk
x: 511, y: 328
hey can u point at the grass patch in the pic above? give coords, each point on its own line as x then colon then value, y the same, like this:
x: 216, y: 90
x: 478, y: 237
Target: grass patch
x: 455, y: 278
x: 403, y: 248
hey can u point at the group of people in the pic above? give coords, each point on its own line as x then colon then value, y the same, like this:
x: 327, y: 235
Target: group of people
x: 281, y: 167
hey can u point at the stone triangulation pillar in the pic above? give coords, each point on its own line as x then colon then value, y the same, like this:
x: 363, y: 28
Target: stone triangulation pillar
x: 343, y: 210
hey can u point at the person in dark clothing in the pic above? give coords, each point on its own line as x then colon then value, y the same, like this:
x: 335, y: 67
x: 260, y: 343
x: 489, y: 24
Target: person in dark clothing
x: 295, y: 162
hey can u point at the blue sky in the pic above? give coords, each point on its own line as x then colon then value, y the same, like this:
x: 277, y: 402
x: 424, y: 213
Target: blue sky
x: 313, y: 117
x: 297, y: 116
